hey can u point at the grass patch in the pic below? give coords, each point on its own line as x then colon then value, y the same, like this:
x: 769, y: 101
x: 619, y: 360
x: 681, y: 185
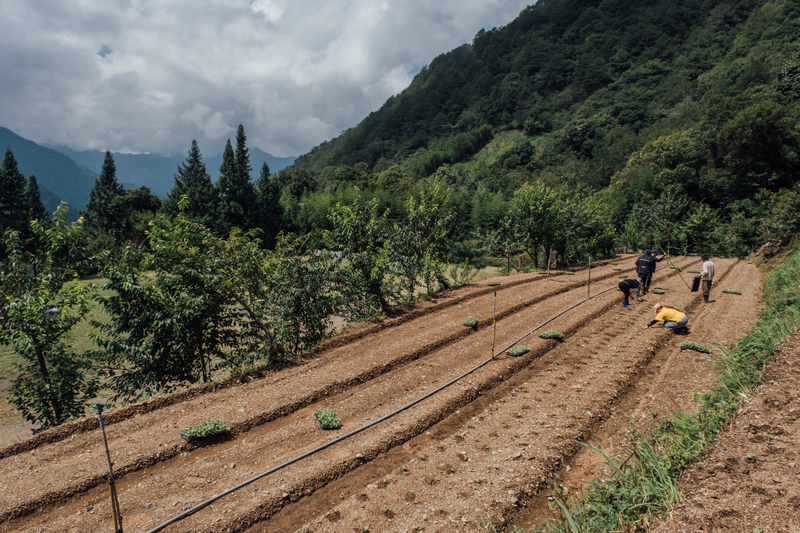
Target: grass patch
x: 643, y: 486
x: 516, y: 351
x: 731, y: 291
x: 696, y: 346
x: 471, y: 322
x: 552, y: 334
x: 206, y: 429
x: 328, y: 419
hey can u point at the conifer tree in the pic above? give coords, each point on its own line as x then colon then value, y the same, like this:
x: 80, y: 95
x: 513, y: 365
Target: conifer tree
x: 101, y: 209
x: 13, y: 211
x: 194, y: 182
x: 269, y: 209
x: 33, y: 200
x: 237, y: 195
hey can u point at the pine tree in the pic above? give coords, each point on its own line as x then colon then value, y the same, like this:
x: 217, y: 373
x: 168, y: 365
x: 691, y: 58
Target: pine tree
x: 270, y: 212
x: 194, y: 182
x: 33, y: 200
x: 101, y: 211
x: 13, y: 211
x: 237, y: 195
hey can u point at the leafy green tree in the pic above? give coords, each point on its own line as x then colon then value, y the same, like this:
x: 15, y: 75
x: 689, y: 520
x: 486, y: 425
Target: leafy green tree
x: 360, y: 235
x: 237, y: 196
x: 194, y: 182
x: 13, y: 210
x: 33, y: 200
x: 533, y: 215
x: 101, y: 209
x: 268, y: 205
x: 42, y: 300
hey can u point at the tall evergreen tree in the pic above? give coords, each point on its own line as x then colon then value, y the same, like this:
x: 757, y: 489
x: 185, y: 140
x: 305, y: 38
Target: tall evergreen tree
x: 194, y: 182
x: 270, y: 211
x: 236, y: 191
x: 102, y: 208
x: 13, y: 211
x: 33, y: 200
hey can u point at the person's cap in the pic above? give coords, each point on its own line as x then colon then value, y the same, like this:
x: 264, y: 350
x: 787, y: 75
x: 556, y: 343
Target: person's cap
x: 657, y: 307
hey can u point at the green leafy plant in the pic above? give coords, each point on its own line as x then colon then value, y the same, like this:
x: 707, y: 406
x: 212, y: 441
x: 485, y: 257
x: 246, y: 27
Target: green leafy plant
x: 206, y: 429
x: 493, y: 283
x: 623, y: 275
x: 731, y: 291
x: 471, y: 322
x: 552, y: 334
x: 616, y: 269
x: 689, y: 345
x: 676, y: 268
x: 659, y: 291
x: 328, y: 419
x: 693, y: 271
x: 518, y: 350
x: 568, y: 273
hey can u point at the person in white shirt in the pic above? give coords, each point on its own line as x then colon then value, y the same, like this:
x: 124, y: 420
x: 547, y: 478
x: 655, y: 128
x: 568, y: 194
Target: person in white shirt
x: 706, y: 277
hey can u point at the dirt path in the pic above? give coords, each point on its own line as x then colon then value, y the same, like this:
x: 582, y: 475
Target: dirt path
x: 749, y: 482
x: 549, y: 397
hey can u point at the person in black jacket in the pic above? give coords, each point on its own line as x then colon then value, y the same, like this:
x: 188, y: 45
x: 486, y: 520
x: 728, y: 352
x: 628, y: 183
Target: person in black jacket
x: 626, y: 286
x: 646, y: 267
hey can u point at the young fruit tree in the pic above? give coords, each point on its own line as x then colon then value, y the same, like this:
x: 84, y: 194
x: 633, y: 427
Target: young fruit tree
x: 42, y: 300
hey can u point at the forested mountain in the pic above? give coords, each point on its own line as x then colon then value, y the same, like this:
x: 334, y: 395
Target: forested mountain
x: 59, y: 177
x: 156, y: 171
x: 660, y: 109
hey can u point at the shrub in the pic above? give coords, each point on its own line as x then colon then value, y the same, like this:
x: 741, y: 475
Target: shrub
x: 206, y: 429
x: 471, y: 322
x: 731, y: 291
x: 689, y: 345
x: 518, y: 350
x: 328, y: 419
x: 552, y: 334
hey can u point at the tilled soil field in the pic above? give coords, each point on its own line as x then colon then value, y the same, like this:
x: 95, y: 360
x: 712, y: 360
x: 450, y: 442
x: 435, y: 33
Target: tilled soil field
x: 473, y: 452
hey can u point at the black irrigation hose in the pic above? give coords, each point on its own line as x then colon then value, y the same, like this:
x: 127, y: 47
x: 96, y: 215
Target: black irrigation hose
x: 272, y: 470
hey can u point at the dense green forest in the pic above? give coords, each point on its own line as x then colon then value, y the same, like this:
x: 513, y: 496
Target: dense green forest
x: 578, y: 130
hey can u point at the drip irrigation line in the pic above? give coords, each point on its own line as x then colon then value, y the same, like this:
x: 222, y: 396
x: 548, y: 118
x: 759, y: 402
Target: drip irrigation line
x: 407, y: 406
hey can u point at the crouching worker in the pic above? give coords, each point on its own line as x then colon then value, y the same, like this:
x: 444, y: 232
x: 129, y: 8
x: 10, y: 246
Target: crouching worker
x: 673, y: 319
x: 626, y: 286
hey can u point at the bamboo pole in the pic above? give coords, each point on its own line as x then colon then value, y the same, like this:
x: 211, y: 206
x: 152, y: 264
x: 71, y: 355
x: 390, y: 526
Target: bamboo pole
x: 677, y: 270
x: 494, y: 322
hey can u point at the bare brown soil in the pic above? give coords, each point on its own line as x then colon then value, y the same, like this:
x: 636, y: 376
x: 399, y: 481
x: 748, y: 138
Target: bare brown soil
x: 749, y: 481
x: 474, y: 451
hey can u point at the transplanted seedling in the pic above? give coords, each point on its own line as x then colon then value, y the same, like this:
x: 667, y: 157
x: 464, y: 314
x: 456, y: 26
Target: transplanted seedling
x: 518, y: 350
x: 696, y: 346
x: 471, y: 322
x: 493, y: 283
x: 552, y: 334
x: 328, y: 419
x: 659, y: 291
x: 206, y: 429
x: 623, y: 275
x: 731, y: 291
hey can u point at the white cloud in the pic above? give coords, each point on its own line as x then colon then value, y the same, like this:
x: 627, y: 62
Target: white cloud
x: 146, y: 76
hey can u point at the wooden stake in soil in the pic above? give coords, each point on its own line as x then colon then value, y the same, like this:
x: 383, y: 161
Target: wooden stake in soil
x: 494, y: 322
x: 549, y: 256
x: 589, y: 287
x: 112, y: 487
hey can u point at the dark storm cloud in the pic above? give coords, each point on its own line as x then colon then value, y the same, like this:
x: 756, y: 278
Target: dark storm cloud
x: 147, y: 76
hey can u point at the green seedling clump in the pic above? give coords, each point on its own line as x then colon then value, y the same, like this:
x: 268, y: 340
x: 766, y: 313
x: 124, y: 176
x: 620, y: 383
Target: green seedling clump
x: 206, y: 429
x: 696, y: 346
x: 516, y: 351
x: 676, y: 268
x: 693, y: 271
x: 493, y: 283
x: 471, y: 322
x: 731, y: 291
x: 328, y: 419
x: 568, y: 273
x: 659, y: 291
x: 623, y: 275
x: 616, y: 268
x: 552, y: 334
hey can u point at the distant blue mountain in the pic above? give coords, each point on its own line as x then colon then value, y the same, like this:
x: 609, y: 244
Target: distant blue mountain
x: 158, y: 172
x: 60, y: 178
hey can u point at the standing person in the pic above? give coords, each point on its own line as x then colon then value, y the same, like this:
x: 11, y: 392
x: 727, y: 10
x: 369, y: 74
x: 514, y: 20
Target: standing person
x: 626, y: 285
x: 706, y: 277
x: 673, y: 319
x: 646, y: 267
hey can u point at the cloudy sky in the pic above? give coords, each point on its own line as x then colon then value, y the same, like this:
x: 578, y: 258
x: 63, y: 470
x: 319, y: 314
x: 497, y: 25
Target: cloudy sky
x: 151, y: 75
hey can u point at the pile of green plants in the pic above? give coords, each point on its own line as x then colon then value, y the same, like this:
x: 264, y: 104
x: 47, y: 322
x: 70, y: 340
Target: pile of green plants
x: 616, y: 269
x: 623, y: 275
x: 644, y: 485
x: 493, y: 283
x: 552, y: 334
x: 327, y: 418
x: 206, y: 429
x: 568, y: 273
x: 731, y: 291
x: 693, y: 271
x: 518, y: 350
x: 696, y: 346
x: 659, y: 291
x: 471, y: 322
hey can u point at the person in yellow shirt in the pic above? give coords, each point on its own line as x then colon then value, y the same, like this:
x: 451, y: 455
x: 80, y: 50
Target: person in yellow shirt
x: 673, y: 319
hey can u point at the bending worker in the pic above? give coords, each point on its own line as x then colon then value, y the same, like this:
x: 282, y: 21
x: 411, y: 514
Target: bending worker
x: 626, y: 285
x: 673, y: 319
